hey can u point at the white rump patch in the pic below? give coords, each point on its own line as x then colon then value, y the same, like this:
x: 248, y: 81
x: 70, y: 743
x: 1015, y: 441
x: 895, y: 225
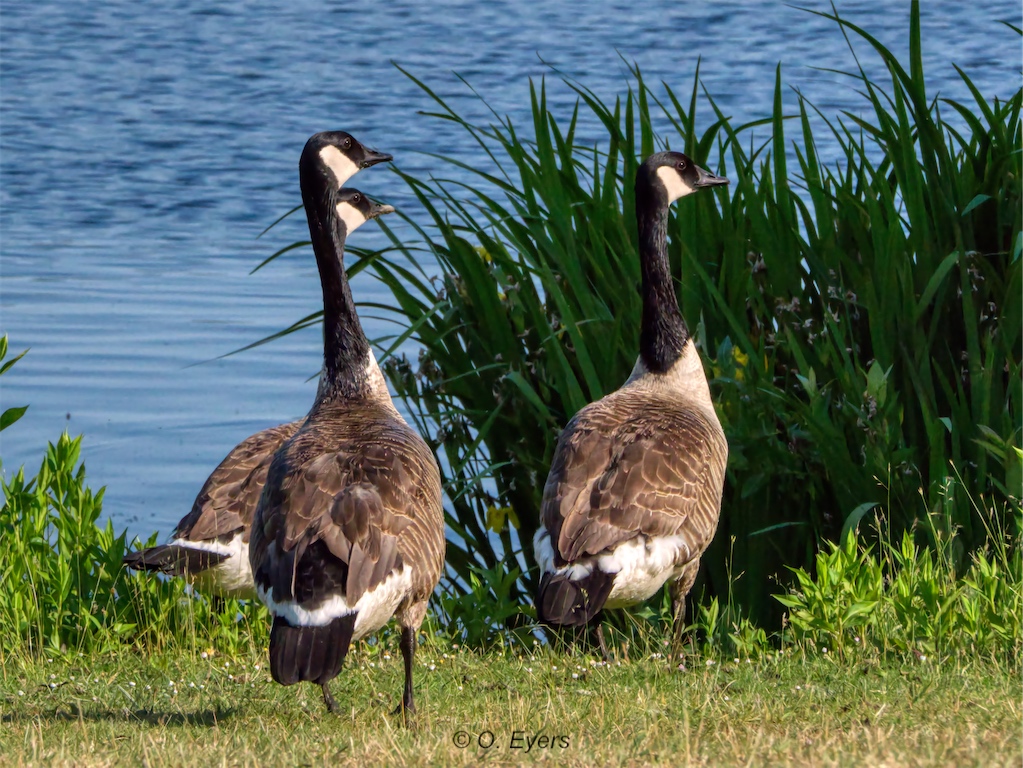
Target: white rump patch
x: 351, y: 216
x: 673, y: 183
x: 230, y: 578
x: 373, y: 609
x: 641, y: 565
x: 543, y: 551
x: 339, y: 164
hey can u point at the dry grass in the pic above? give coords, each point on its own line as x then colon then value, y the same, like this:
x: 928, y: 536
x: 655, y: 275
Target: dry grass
x: 786, y: 710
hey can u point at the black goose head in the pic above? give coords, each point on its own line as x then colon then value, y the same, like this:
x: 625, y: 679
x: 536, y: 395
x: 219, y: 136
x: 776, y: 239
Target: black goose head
x: 354, y: 209
x: 333, y: 157
x: 671, y: 175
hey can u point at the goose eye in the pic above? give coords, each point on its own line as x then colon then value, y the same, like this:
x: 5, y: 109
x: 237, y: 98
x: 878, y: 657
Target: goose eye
x: 681, y: 165
x: 348, y: 143
x: 356, y: 198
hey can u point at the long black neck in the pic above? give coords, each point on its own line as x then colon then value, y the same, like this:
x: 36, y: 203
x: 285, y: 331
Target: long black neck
x: 664, y: 332
x: 345, y: 348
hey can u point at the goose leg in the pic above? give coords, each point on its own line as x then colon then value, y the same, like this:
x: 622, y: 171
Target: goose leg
x: 601, y: 643
x: 408, y: 652
x: 328, y: 699
x: 679, y: 589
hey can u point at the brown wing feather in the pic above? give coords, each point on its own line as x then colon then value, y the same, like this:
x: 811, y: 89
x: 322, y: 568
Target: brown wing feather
x: 228, y: 498
x: 365, y: 485
x: 634, y: 464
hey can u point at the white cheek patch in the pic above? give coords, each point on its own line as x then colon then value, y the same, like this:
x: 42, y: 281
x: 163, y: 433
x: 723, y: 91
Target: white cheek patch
x: 351, y: 216
x: 342, y: 168
x: 673, y: 183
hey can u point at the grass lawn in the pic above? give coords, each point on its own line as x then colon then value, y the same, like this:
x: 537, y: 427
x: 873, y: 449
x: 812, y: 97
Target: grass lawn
x: 182, y: 709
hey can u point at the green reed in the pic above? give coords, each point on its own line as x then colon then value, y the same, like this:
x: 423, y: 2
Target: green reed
x: 860, y: 323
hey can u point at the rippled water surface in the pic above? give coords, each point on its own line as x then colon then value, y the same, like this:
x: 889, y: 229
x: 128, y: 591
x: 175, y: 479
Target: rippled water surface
x: 144, y: 148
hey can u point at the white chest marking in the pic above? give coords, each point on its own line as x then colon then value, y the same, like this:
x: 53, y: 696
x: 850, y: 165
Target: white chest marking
x: 339, y: 164
x: 373, y: 609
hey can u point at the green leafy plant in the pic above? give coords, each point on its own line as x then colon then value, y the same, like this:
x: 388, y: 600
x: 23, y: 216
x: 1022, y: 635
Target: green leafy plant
x: 481, y: 616
x: 63, y: 588
x: 9, y: 415
x: 902, y: 598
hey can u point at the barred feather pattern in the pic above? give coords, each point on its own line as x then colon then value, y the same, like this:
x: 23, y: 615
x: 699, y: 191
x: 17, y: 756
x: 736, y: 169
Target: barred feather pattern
x: 358, y: 491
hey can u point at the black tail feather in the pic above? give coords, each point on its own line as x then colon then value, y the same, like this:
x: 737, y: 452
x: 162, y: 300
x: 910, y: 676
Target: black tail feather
x: 173, y: 559
x: 564, y: 602
x: 309, y: 653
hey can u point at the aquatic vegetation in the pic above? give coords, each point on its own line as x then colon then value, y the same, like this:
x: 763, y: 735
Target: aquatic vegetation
x: 861, y: 321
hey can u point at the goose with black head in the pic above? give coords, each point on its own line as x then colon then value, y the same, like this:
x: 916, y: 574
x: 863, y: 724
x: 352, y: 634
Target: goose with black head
x: 209, y: 545
x: 634, y: 491
x: 349, y: 530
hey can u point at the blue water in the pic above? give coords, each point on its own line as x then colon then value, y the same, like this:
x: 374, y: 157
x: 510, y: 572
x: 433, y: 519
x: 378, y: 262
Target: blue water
x: 144, y: 147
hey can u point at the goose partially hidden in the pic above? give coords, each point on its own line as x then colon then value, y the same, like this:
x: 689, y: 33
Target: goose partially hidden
x: 634, y: 491
x: 349, y: 531
x: 210, y: 544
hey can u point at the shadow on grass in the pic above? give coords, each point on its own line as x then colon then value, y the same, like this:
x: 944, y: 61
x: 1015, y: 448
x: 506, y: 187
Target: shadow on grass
x: 72, y: 712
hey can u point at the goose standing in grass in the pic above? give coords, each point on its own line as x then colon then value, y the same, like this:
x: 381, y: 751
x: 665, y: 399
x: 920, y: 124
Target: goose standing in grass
x: 210, y: 545
x: 349, y: 530
x: 634, y: 491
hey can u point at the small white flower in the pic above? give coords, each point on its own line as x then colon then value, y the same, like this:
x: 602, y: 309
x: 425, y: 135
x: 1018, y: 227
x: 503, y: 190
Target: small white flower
x: 53, y: 686
x: 191, y: 685
x: 53, y: 677
x: 575, y: 675
x: 372, y: 665
x: 554, y: 668
x: 171, y: 684
x: 204, y: 655
x: 257, y: 667
x: 21, y: 693
x: 824, y: 650
x: 529, y: 669
x: 736, y: 661
x: 711, y: 662
x: 727, y: 699
x: 433, y: 667
x: 387, y: 657
x: 131, y: 684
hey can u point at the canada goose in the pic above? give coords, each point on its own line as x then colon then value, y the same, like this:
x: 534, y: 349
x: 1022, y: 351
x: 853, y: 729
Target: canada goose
x: 634, y: 491
x: 349, y: 530
x: 210, y: 544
